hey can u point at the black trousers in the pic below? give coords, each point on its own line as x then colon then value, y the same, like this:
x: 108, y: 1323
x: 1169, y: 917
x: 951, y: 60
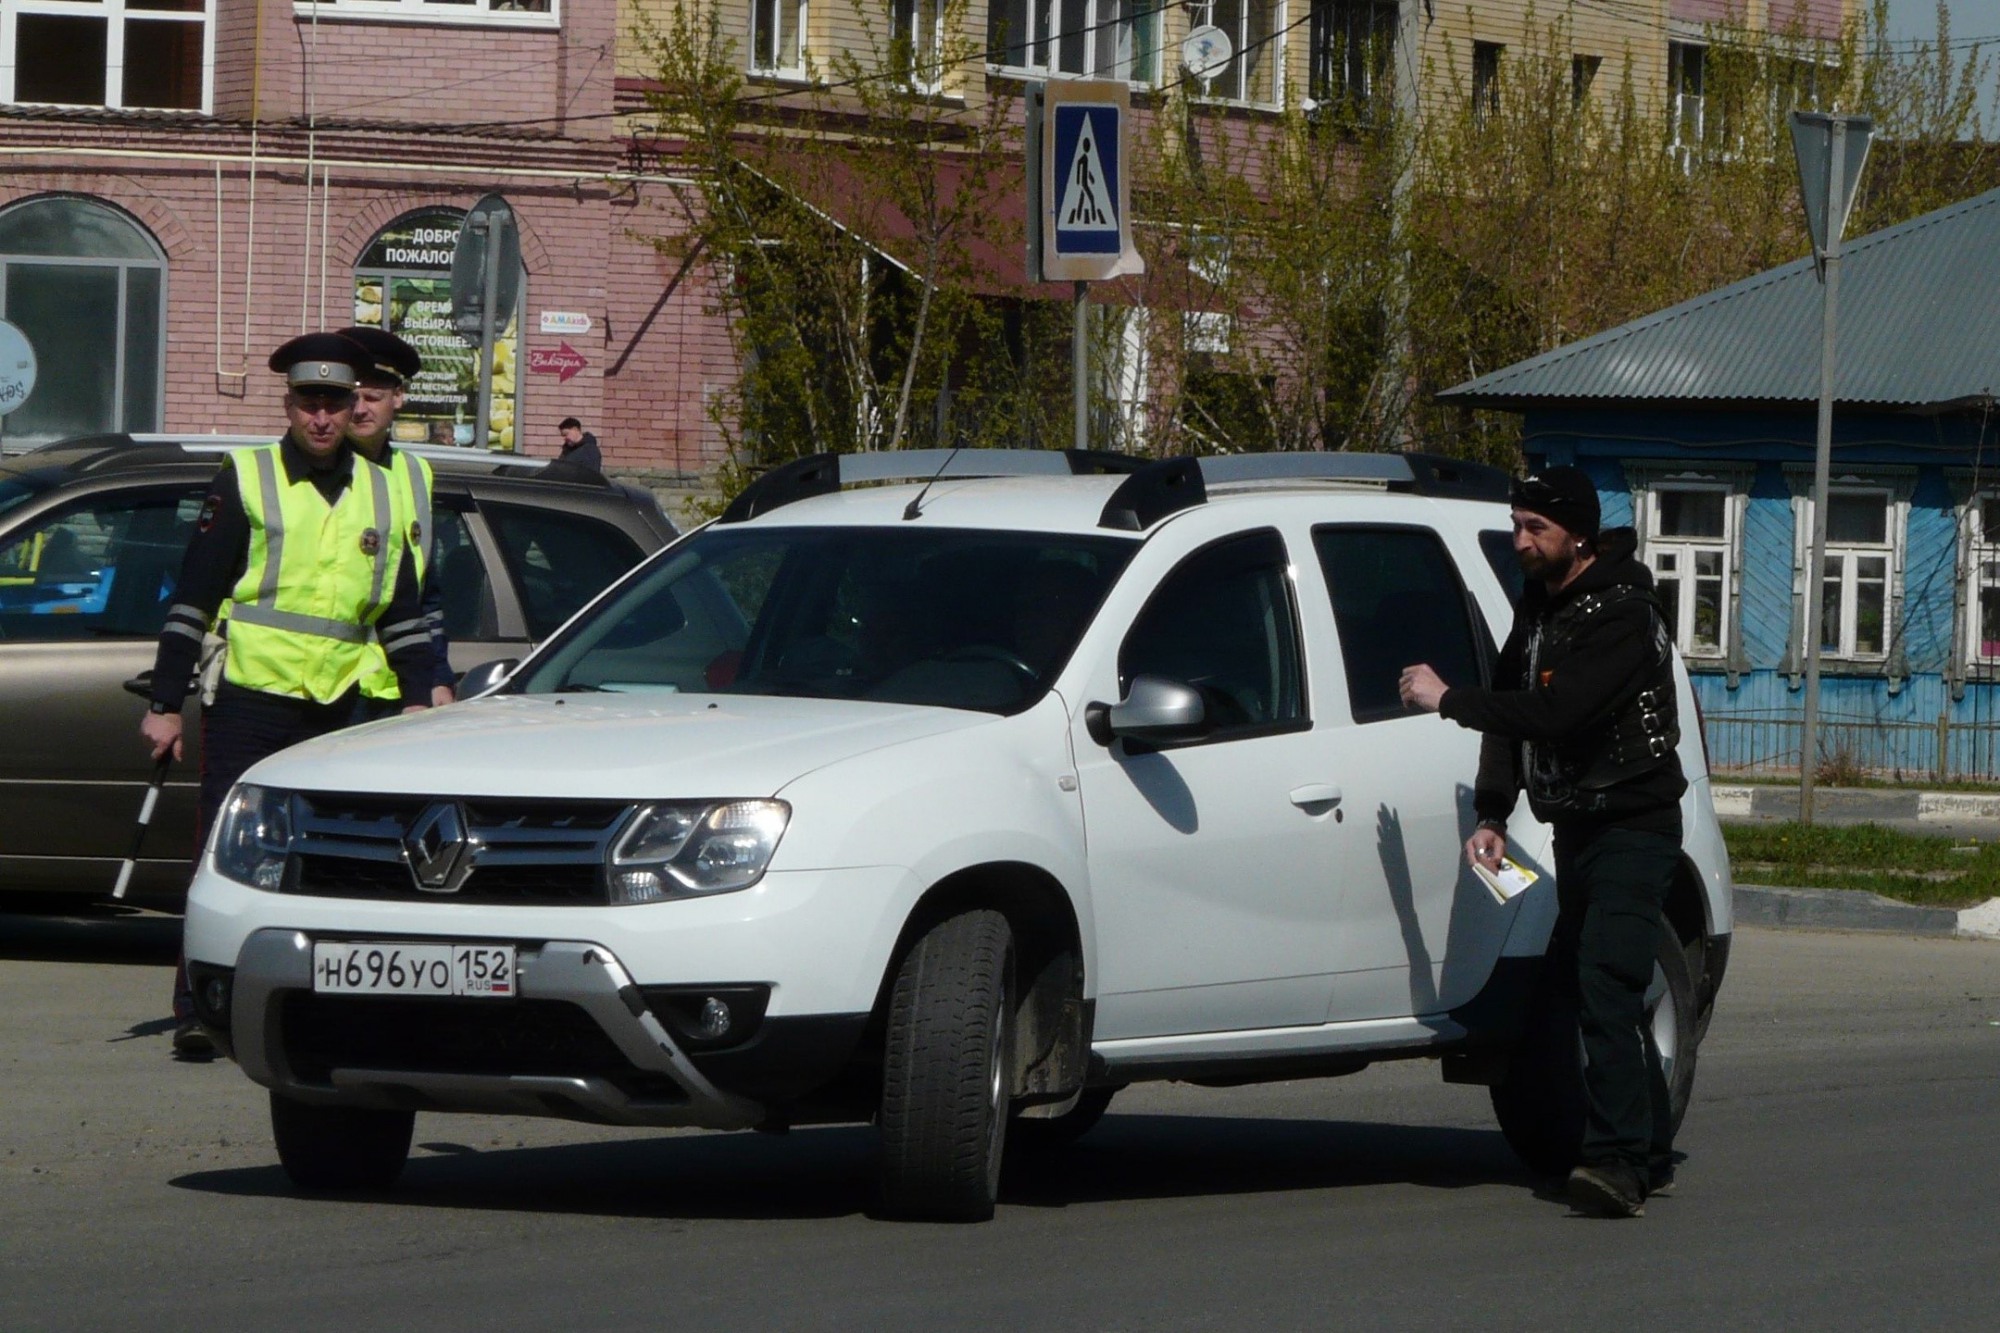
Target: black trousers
x: 239, y: 729
x: 1611, y: 884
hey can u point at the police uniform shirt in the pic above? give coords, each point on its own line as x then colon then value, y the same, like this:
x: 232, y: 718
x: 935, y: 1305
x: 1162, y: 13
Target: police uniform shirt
x: 215, y: 560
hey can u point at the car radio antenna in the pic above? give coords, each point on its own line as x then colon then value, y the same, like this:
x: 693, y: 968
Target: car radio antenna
x: 914, y: 509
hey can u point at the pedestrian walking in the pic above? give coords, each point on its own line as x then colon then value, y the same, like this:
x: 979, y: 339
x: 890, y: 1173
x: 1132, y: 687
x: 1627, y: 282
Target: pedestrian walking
x: 308, y: 544
x: 579, y: 446
x: 378, y: 396
x: 1586, y: 720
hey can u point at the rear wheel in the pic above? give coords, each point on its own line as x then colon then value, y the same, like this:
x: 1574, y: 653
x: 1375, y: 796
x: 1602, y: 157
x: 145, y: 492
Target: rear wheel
x: 337, y: 1148
x: 946, y: 1071
x: 1539, y: 1101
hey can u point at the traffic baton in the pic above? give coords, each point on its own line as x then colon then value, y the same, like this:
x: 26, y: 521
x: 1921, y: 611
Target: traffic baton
x: 145, y: 818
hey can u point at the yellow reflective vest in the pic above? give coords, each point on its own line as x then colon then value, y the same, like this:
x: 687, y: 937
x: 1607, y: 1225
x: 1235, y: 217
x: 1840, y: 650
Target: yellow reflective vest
x: 410, y: 489
x: 317, y: 578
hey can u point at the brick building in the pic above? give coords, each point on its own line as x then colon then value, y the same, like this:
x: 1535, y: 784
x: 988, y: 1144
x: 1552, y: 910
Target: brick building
x: 186, y: 185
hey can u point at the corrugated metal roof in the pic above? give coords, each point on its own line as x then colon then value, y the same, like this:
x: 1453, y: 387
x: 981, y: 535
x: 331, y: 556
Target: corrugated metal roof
x: 1919, y: 323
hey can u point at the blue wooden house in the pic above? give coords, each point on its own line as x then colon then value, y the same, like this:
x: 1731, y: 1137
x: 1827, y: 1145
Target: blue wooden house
x: 1697, y: 424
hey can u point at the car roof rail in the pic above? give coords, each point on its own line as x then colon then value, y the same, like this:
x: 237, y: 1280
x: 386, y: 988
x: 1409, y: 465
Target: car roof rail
x: 1174, y: 484
x: 823, y: 474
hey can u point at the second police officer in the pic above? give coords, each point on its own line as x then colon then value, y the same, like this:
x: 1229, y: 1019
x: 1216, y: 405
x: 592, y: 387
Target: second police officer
x: 308, y: 542
x: 393, y: 363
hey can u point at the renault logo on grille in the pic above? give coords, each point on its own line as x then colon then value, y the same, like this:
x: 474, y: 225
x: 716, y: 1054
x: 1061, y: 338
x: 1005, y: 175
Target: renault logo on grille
x: 439, y: 849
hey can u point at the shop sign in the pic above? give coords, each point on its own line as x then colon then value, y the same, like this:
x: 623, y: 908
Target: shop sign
x: 564, y: 362
x: 566, y: 322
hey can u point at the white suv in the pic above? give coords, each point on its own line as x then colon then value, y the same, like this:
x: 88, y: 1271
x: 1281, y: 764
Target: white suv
x: 954, y: 802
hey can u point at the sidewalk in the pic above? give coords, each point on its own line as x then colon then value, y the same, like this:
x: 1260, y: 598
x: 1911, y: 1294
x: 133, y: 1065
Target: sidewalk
x: 1958, y: 814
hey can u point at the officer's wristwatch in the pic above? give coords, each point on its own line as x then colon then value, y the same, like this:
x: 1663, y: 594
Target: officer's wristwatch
x: 157, y: 707
x: 1494, y: 825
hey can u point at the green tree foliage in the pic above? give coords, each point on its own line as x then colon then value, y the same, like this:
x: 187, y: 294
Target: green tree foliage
x: 1315, y: 275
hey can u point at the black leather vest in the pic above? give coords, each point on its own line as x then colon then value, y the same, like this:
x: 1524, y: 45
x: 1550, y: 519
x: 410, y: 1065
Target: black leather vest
x: 1573, y: 775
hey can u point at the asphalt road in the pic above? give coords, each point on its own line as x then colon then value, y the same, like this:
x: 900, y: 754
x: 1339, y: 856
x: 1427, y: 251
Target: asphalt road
x: 1843, y: 1172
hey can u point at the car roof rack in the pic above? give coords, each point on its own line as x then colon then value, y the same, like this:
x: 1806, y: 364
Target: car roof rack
x: 142, y: 449
x: 1150, y: 491
x: 823, y: 474
x: 1174, y: 484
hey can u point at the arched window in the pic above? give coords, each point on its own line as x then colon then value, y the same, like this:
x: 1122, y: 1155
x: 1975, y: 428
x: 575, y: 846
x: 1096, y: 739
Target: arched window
x: 402, y: 283
x: 88, y: 287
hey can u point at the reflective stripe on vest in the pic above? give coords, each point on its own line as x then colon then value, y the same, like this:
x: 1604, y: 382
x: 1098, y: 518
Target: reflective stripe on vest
x: 412, y: 476
x: 315, y: 577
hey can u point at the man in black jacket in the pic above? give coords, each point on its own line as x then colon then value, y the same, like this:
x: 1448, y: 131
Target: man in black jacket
x: 1589, y: 727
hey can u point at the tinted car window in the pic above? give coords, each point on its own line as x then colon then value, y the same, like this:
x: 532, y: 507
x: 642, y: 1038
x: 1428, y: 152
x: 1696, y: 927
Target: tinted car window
x: 1397, y: 602
x: 1224, y: 622
x: 1499, y: 550
x: 559, y: 560
x: 465, y: 589
x: 102, y: 568
x: 952, y: 618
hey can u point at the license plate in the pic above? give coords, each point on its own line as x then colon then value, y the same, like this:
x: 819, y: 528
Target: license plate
x: 397, y: 967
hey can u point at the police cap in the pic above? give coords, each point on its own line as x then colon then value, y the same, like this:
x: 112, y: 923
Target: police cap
x: 389, y: 357
x: 321, y: 359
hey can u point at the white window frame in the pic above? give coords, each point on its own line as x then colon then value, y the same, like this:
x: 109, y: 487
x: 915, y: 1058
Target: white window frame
x: 1687, y: 550
x: 1980, y: 547
x: 114, y: 13
x: 790, y: 64
x: 1042, y: 47
x: 1272, y: 53
x: 1849, y: 555
x: 1689, y: 110
x: 921, y: 24
x: 438, y: 13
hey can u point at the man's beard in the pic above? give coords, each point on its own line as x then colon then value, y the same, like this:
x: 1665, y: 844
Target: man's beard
x: 1549, y: 568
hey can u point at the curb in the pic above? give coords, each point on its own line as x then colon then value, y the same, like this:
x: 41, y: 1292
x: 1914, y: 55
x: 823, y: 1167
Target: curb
x: 1852, y: 909
x: 1743, y: 801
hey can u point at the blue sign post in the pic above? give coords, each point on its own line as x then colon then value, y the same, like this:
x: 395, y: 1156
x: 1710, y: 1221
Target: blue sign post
x: 1080, y: 203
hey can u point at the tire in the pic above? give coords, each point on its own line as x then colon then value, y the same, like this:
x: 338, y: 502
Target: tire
x: 1539, y: 1101
x: 1045, y: 1134
x: 946, y: 1066
x: 338, y: 1149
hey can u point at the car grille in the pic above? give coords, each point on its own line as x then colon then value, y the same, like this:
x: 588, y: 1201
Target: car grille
x: 322, y: 1033
x: 526, y: 853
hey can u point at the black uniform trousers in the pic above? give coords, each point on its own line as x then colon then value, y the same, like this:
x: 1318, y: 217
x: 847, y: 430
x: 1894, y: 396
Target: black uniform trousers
x: 238, y: 730
x: 1611, y: 884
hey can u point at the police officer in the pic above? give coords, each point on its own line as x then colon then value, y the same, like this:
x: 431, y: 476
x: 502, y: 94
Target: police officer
x: 308, y: 543
x: 393, y: 363
x: 1585, y: 718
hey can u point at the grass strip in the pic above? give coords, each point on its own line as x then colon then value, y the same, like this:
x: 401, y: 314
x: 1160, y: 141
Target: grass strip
x: 1916, y: 868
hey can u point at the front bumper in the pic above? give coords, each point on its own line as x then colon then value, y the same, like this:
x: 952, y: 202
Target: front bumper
x: 659, y: 1085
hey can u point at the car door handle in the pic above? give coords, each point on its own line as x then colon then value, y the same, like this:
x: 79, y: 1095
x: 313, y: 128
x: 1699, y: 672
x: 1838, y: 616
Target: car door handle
x: 141, y: 685
x: 1315, y: 793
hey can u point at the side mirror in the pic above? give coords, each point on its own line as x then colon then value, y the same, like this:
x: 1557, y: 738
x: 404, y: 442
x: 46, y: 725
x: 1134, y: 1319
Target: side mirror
x: 1156, y: 710
x: 486, y: 677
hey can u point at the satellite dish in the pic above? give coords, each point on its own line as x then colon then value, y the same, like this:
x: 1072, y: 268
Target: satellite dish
x: 1206, y: 52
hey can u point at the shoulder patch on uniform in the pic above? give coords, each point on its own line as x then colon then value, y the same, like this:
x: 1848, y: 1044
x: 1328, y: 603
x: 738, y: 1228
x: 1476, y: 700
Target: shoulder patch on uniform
x: 209, y: 509
x: 416, y: 533
x: 371, y: 542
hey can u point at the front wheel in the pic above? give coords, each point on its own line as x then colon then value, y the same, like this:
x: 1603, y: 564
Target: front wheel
x: 946, y: 1071
x: 1539, y: 1100
x: 340, y: 1148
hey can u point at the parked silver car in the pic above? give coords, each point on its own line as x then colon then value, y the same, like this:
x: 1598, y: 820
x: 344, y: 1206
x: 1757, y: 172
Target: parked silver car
x: 92, y: 531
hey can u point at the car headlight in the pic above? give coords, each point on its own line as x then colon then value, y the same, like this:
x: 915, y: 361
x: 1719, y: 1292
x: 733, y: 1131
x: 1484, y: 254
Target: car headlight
x: 253, y: 836
x: 678, y: 849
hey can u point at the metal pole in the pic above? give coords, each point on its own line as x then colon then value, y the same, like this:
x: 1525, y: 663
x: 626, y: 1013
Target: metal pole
x: 1822, y: 469
x: 1079, y: 361
x: 495, y: 225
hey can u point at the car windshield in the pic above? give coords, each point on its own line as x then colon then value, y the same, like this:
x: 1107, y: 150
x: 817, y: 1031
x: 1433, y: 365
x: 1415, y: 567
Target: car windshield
x: 949, y: 617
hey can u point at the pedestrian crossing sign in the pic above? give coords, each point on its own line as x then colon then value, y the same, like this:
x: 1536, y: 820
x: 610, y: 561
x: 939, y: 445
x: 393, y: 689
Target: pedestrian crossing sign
x: 1086, y: 194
